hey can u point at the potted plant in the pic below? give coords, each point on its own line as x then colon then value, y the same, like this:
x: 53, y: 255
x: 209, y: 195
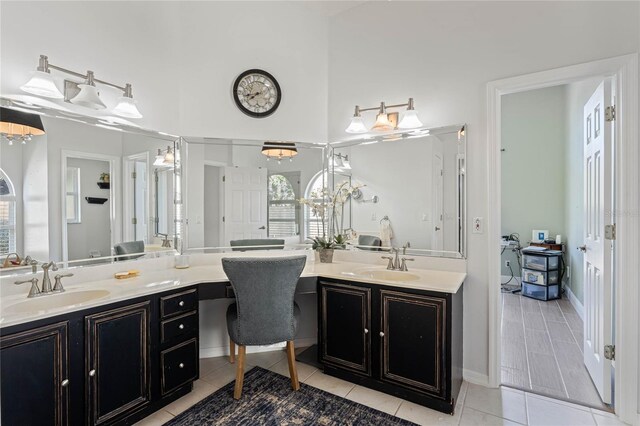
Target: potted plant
x: 324, y: 247
x: 340, y: 241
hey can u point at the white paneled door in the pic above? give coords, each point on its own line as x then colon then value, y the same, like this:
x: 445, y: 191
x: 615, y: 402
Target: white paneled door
x: 245, y: 203
x: 598, y: 139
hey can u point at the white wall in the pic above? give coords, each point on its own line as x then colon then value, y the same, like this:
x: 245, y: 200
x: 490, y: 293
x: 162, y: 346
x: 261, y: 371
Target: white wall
x: 11, y: 164
x: 36, y: 217
x: 445, y: 54
x: 93, y: 233
x: 534, y: 140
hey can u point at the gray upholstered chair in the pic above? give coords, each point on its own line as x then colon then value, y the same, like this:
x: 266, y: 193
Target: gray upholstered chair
x: 129, y: 247
x: 246, y: 245
x: 370, y: 241
x: 264, y: 312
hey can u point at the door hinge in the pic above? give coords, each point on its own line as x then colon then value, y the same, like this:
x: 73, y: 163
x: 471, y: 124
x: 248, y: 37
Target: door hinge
x: 610, y: 232
x: 610, y: 352
x: 610, y: 113
x: 223, y: 218
x: 134, y: 221
x: 133, y: 175
x: 224, y: 178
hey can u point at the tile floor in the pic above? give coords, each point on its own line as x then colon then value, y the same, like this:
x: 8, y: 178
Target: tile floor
x: 476, y: 405
x: 542, y: 349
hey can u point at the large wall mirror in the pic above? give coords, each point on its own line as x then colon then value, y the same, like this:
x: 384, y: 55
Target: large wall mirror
x: 84, y: 188
x: 402, y: 189
x: 239, y: 190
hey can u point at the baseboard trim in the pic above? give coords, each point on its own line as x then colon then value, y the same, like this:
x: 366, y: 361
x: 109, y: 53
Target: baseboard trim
x: 307, y: 341
x: 575, y: 302
x: 475, y: 378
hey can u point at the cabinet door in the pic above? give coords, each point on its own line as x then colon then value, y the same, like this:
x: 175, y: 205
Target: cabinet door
x: 346, y: 321
x: 34, y: 386
x: 117, y: 362
x: 413, y: 341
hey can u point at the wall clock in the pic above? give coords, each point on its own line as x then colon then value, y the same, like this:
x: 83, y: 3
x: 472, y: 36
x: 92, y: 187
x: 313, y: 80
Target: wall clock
x: 257, y: 93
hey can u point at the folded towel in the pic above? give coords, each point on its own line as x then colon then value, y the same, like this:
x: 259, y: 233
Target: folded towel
x: 386, y: 234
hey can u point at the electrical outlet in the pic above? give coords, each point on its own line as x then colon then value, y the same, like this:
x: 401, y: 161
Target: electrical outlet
x: 507, y: 263
x: 478, y: 225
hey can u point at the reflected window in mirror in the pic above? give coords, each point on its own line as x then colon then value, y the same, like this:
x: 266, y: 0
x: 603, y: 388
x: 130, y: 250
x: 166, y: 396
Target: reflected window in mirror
x: 7, y: 215
x: 316, y: 216
x: 283, y: 208
x: 73, y: 195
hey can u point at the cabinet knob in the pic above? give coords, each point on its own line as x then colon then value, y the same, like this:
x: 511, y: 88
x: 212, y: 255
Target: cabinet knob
x: 65, y: 383
x: 181, y: 303
x: 92, y: 373
x: 181, y: 365
x: 381, y: 334
x: 366, y: 331
x: 181, y: 326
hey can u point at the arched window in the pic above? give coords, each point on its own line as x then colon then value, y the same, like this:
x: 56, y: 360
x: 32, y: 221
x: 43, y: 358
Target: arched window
x: 284, y: 212
x: 7, y: 215
x: 315, y: 219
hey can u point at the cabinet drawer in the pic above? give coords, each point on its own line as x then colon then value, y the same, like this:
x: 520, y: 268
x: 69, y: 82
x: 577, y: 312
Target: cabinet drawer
x: 179, y: 365
x: 182, y: 326
x: 178, y: 303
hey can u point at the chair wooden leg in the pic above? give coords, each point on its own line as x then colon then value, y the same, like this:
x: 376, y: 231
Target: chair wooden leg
x: 237, y: 392
x: 293, y: 371
x: 232, y: 351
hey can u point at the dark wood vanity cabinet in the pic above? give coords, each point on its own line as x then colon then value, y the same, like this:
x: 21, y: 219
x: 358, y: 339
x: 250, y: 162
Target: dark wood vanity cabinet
x: 118, y: 358
x: 109, y: 365
x: 34, y: 385
x: 411, y: 340
x: 346, y: 317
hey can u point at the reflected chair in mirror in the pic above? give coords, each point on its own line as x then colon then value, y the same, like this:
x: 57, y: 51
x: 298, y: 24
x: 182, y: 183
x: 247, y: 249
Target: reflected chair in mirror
x: 369, y: 242
x: 129, y: 247
x: 253, y: 244
x: 265, y: 312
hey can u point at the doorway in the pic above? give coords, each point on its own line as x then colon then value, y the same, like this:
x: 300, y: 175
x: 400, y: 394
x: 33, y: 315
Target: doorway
x: 625, y: 73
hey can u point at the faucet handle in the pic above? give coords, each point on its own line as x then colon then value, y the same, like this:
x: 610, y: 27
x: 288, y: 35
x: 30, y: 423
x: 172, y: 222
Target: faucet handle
x: 57, y: 287
x: 390, y: 264
x: 403, y: 266
x: 34, y: 291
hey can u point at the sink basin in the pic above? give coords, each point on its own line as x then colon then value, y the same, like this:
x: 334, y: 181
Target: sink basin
x: 51, y: 301
x: 386, y: 275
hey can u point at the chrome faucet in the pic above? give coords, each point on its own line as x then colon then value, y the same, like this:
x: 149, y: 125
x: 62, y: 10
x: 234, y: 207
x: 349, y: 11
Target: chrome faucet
x: 35, y: 291
x: 57, y: 287
x: 394, y: 261
x: 46, y: 281
x: 403, y: 265
x: 166, y: 242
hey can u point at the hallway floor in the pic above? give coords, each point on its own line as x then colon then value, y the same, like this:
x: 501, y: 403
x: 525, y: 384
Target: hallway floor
x: 542, y: 349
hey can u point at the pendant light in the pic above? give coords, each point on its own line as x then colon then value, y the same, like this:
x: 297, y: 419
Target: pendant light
x: 279, y: 150
x: 17, y: 125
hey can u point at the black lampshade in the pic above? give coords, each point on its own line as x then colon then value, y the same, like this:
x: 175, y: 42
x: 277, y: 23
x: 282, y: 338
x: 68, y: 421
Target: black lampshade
x: 20, y: 123
x: 279, y: 149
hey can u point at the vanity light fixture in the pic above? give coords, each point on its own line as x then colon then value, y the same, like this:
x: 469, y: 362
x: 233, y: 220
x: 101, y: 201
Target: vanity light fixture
x: 19, y: 126
x: 279, y: 150
x: 340, y: 162
x: 165, y: 158
x: 385, y: 121
x: 84, y: 94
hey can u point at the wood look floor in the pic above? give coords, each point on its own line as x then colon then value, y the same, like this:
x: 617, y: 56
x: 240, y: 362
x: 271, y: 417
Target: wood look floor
x: 542, y: 349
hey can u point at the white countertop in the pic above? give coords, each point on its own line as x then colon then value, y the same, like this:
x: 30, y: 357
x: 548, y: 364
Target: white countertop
x: 17, y: 308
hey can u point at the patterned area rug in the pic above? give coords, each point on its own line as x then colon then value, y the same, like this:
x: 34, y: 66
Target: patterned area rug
x: 267, y: 399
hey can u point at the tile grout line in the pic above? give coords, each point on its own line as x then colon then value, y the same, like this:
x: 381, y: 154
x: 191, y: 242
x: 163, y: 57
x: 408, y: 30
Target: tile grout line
x: 553, y: 350
x: 524, y: 338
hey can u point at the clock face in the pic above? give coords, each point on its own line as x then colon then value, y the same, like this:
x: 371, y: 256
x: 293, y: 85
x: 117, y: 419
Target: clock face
x: 257, y: 93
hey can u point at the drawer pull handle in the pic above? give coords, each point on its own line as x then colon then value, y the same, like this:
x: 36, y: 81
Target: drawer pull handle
x: 181, y: 303
x: 181, y: 326
x: 92, y: 373
x: 381, y: 334
x: 366, y: 331
x: 181, y: 365
x: 65, y: 383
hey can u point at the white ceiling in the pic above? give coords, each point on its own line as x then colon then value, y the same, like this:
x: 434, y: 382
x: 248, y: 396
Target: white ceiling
x: 332, y: 7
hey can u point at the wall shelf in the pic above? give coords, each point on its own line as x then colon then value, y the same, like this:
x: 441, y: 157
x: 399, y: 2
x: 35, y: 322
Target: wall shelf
x: 104, y: 185
x: 95, y: 200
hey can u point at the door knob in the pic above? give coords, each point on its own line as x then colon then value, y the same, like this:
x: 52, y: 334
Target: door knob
x: 437, y: 228
x: 92, y: 373
x: 381, y: 334
x: 263, y: 227
x: 582, y: 248
x: 65, y: 383
x: 366, y: 331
